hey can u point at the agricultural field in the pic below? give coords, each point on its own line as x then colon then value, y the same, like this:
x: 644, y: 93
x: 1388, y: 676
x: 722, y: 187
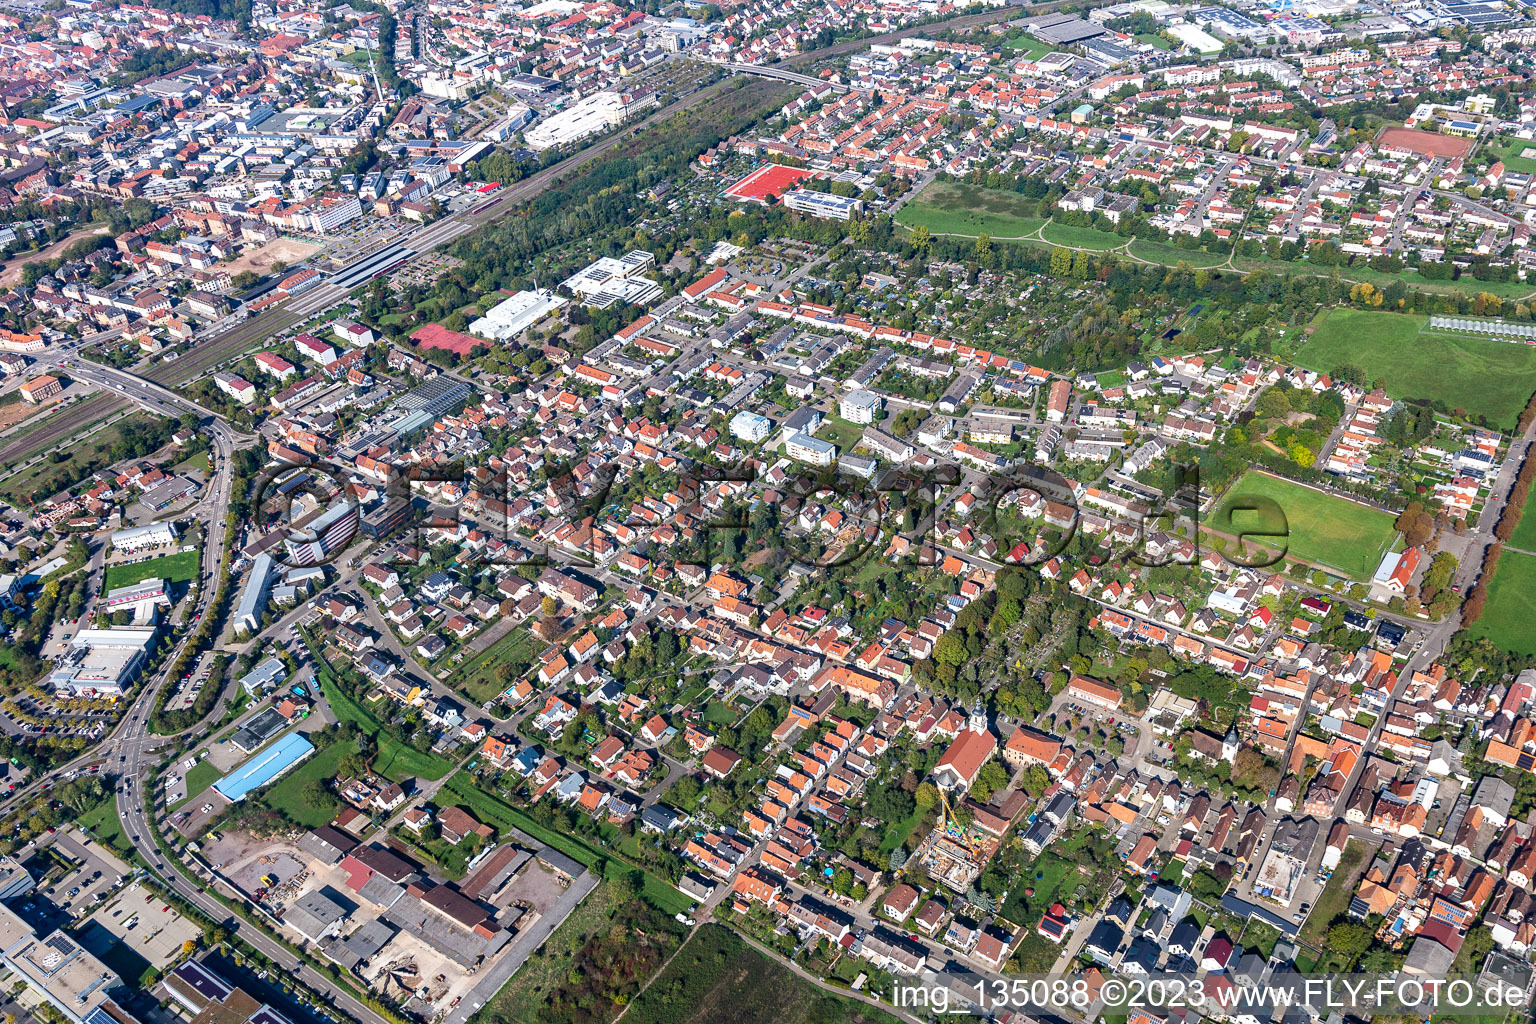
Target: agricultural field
x: 953, y: 208
x: 1493, y: 379
x: 718, y: 979
x: 177, y: 568
x: 1511, y: 609
x: 1321, y: 528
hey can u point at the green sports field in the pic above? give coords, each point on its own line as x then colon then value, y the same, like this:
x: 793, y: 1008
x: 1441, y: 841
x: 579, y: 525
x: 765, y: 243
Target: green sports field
x: 1322, y: 528
x: 954, y: 208
x: 177, y: 568
x: 1491, y: 378
x: 1511, y: 604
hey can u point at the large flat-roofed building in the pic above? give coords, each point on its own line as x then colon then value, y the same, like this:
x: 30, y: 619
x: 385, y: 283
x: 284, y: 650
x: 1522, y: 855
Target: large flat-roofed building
x: 590, y: 116
x: 262, y: 727
x: 749, y: 426
x: 101, y: 662
x: 15, y: 880
x: 263, y: 677
x: 253, y: 596
x: 325, y: 534
x: 607, y: 280
x: 142, y: 538
x: 821, y: 204
x: 805, y: 448
x: 152, y: 593
x: 386, y: 519
x: 264, y: 767
x: 209, y: 999
x: 859, y: 407
x: 167, y: 493
x: 512, y: 316
x: 60, y: 970
x: 1061, y: 29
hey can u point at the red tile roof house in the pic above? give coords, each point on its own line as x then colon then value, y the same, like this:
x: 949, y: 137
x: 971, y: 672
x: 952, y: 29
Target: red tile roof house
x: 991, y: 950
x: 654, y: 729
x: 720, y: 761
x: 899, y: 901
x: 456, y: 825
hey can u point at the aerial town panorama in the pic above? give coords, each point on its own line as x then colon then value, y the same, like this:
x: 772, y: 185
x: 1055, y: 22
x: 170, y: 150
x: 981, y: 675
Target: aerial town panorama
x: 767, y: 511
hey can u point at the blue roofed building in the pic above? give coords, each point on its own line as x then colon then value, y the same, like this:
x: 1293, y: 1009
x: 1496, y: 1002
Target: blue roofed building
x: 264, y: 767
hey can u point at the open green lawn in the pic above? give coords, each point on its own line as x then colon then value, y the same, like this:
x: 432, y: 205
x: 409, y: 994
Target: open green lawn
x: 718, y: 979
x: 841, y: 433
x: 394, y: 760
x: 954, y: 208
x: 720, y: 713
x: 1153, y: 39
x: 1320, y: 528
x: 198, y: 462
x: 1027, y: 47
x: 287, y: 793
x: 1491, y: 378
x: 1524, y: 536
x: 1509, y: 151
x: 177, y: 568
x: 202, y: 775
x: 1081, y: 238
x: 102, y: 822
x: 1172, y: 255
x: 1511, y: 604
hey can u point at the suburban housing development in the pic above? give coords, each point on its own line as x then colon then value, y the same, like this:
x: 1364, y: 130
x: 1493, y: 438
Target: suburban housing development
x: 543, y: 510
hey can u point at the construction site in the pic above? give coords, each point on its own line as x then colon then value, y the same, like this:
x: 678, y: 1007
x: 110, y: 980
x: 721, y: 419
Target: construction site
x: 955, y: 853
x: 425, y: 943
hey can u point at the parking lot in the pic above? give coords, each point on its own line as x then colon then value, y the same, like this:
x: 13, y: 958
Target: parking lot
x: 97, y: 873
x: 191, y: 820
x: 138, y: 918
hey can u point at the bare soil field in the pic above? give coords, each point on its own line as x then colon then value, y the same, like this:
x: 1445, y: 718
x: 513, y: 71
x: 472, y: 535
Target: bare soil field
x: 289, y: 250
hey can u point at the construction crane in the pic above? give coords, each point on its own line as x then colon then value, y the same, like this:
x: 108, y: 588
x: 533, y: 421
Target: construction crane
x: 953, y: 830
x: 373, y: 69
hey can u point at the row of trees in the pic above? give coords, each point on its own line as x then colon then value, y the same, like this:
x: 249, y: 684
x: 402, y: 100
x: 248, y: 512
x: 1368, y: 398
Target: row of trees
x: 1514, y: 508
